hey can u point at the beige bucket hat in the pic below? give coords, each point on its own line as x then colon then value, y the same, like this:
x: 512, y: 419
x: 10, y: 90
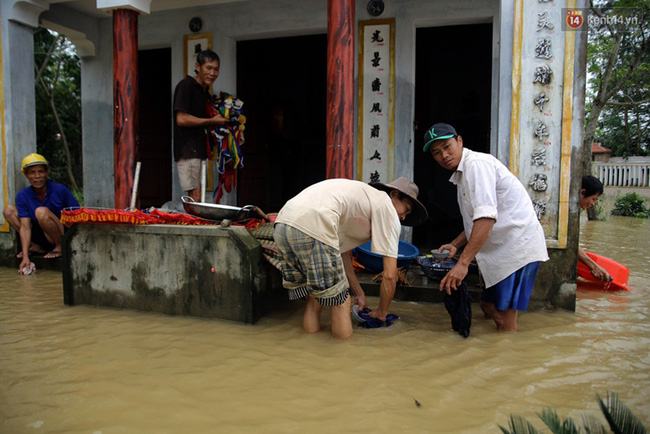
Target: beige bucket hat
x: 409, y: 188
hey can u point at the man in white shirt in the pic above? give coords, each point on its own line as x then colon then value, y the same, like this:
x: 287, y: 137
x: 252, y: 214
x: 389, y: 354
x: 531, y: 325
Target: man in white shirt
x: 316, y: 230
x: 501, y: 228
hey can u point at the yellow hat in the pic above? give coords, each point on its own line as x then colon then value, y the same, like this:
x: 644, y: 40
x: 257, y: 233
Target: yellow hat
x: 33, y: 160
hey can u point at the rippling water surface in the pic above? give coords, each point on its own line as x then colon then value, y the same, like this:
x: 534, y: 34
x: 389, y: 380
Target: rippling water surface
x: 85, y: 369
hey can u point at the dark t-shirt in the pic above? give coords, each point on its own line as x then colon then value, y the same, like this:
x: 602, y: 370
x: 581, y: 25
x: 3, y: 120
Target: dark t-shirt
x: 190, y: 142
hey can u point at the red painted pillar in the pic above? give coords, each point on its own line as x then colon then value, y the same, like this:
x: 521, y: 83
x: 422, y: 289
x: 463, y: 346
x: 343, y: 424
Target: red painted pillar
x: 340, y: 92
x: 125, y: 102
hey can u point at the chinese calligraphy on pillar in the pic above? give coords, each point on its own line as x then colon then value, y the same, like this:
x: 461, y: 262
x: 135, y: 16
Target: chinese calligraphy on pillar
x: 376, y: 89
x: 541, y: 146
x: 541, y: 105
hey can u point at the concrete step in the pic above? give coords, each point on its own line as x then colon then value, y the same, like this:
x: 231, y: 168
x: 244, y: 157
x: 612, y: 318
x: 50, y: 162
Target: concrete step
x: 55, y: 264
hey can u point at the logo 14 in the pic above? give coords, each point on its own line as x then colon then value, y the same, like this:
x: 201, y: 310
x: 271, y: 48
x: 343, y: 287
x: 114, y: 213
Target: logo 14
x: 574, y: 18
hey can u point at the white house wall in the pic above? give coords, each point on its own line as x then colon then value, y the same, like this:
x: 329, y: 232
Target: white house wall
x: 246, y: 20
x: 97, y: 120
x: 230, y: 23
x: 18, y: 86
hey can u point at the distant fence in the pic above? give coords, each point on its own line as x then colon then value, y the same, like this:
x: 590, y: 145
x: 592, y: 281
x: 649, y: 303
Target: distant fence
x: 622, y: 174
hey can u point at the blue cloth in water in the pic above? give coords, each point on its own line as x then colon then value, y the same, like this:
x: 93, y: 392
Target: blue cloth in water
x: 372, y: 323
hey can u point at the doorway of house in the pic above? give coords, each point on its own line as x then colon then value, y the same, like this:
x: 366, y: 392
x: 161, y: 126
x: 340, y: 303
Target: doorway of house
x: 155, y: 127
x: 453, y: 79
x: 283, y: 84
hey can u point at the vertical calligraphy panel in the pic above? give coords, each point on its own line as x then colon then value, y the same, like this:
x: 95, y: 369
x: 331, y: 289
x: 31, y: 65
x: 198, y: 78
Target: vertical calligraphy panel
x: 376, y: 106
x: 541, y: 130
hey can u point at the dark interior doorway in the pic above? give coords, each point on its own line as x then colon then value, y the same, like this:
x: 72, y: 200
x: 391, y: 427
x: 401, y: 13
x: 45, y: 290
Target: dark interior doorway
x: 283, y: 84
x: 453, y: 80
x: 155, y: 129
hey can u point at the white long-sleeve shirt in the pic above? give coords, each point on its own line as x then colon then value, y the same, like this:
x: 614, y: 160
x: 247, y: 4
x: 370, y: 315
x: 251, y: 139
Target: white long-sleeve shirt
x: 487, y: 189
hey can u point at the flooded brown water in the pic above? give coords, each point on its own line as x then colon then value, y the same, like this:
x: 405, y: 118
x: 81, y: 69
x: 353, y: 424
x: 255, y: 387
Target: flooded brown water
x: 85, y: 369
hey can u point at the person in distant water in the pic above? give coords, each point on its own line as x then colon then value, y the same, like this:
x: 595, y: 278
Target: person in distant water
x: 501, y: 228
x: 191, y: 98
x: 316, y: 230
x: 591, y: 190
x: 37, y: 213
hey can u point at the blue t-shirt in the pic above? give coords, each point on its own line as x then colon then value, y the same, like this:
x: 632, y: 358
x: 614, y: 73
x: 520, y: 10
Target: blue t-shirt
x: 57, y: 197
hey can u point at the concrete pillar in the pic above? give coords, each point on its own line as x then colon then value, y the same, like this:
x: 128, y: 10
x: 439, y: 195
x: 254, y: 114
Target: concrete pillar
x: 17, y: 22
x: 340, y: 91
x: 125, y: 91
x: 125, y: 102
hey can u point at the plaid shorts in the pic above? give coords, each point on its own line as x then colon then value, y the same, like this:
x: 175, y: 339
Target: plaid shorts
x: 310, y: 267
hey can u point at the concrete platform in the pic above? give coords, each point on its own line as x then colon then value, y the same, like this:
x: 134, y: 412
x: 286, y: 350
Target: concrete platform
x: 204, y: 271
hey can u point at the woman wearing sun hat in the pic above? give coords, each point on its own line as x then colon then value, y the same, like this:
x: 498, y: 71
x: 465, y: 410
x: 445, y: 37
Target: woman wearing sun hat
x: 315, y: 231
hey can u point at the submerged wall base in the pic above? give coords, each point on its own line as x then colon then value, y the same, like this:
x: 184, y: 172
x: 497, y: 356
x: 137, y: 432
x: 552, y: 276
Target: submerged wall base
x: 204, y: 271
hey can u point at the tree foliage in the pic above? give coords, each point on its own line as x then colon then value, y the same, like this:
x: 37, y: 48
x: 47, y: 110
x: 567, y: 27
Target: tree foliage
x: 58, y: 106
x: 631, y: 205
x: 618, y: 91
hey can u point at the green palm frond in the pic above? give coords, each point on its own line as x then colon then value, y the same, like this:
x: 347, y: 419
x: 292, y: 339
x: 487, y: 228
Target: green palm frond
x: 592, y: 425
x: 621, y: 420
x: 550, y: 417
x: 519, y: 425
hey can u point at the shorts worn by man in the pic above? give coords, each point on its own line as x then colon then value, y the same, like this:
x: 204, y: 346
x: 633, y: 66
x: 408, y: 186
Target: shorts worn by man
x: 191, y: 98
x: 501, y: 228
x: 316, y: 230
x: 37, y: 213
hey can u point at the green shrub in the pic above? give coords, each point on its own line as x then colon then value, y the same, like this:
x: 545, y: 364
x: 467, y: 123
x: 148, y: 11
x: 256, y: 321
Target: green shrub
x: 631, y: 205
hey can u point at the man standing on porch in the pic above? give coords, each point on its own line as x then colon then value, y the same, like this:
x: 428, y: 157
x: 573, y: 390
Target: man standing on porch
x: 191, y: 139
x: 501, y: 228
